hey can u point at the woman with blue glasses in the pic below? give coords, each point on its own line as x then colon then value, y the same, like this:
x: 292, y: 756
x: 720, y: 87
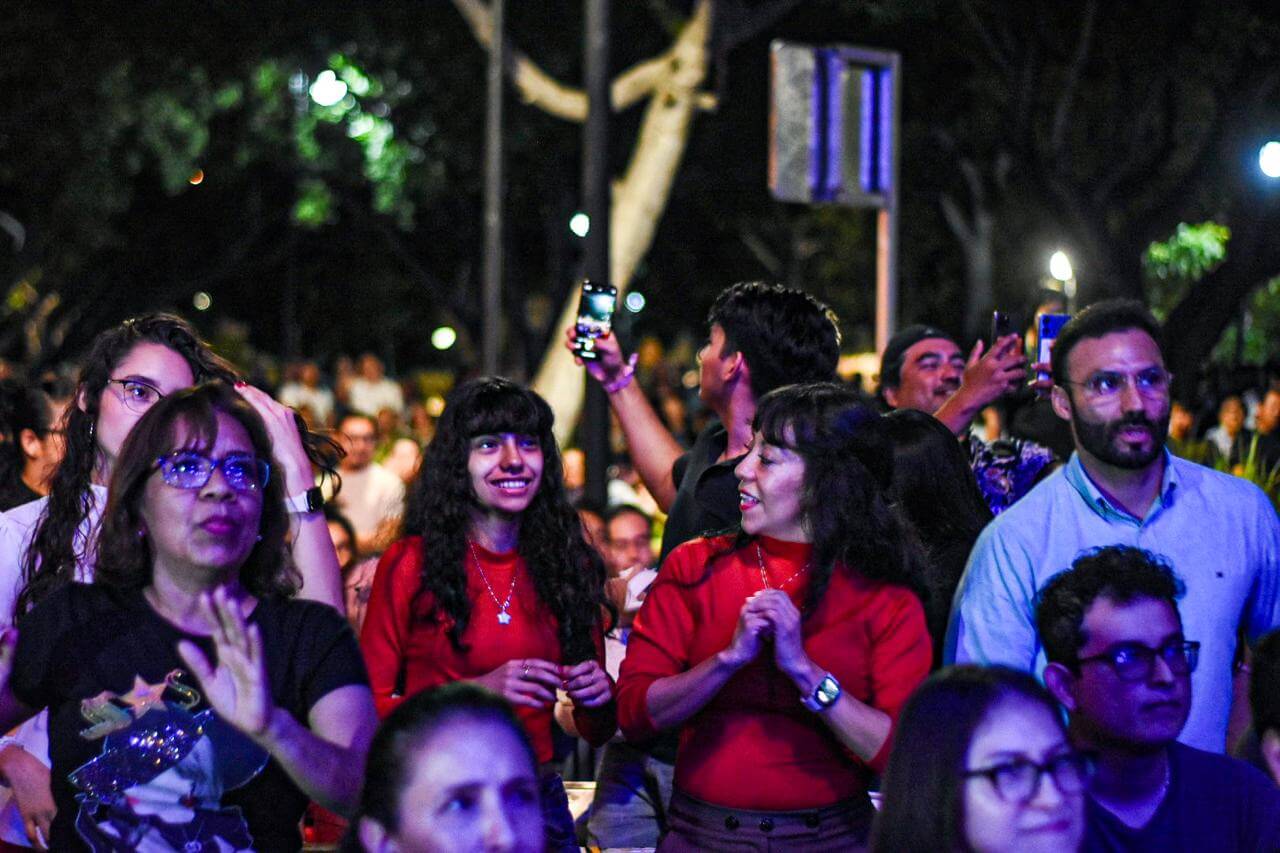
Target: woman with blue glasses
x: 49, y: 543
x: 193, y: 703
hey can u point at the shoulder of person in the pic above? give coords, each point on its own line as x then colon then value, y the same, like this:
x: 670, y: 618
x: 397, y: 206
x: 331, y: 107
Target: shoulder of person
x: 296, y: 614
x: 1196, y: 477
x: 690, y: 558
x: 1204, y: 770
x: 75, y: 603
x: 23, y: 517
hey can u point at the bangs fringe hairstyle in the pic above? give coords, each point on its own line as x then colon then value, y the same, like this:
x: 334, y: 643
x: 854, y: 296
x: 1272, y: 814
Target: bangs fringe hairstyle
x: 923, y: 793
x: 568, y: 574
x: 848, y: 470
x: 124, y: 557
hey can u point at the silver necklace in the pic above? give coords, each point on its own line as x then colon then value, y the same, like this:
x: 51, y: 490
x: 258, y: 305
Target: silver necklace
x: 504, y: 618
x: 764, y: 578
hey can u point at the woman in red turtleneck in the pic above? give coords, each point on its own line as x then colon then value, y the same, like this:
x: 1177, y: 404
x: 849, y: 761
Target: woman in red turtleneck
x: 784, y: 653
x: 494, y: 583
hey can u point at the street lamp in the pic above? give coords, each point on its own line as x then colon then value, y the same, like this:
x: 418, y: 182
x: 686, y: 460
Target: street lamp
x: 1269, y: 159
x: 1064, y: 275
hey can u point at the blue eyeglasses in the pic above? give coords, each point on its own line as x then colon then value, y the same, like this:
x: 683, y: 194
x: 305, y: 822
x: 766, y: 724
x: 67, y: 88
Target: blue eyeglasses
x: 187, y: 469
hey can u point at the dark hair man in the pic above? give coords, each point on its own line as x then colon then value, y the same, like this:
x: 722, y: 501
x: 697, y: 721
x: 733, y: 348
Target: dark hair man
x: 1121, y: 665
x: 760, y: 337
x: 922, y: 368
x: 1122, y: 487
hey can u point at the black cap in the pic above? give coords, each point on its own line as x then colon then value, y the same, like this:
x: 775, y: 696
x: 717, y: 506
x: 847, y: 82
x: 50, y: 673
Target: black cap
x: 905, y: 339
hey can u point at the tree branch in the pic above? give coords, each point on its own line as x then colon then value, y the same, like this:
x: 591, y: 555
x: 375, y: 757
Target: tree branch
x: 984, y: 35
x: 541, y: 90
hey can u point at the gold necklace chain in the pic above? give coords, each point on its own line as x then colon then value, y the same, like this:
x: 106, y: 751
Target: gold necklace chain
x: 764, y: 578
x: 504, y: 618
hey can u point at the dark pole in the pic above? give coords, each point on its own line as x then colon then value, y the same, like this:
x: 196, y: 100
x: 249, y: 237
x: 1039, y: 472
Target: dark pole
x: 493, y: 191
x: 595, y: 191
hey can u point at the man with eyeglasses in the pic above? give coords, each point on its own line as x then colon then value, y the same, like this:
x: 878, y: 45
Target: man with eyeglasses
x: 1121, y: 665
x: 1121, y: 486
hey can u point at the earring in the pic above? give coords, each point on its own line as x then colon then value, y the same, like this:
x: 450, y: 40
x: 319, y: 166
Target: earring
x: 259, y: 537
x: 142, y: 533
x: 91, y: 427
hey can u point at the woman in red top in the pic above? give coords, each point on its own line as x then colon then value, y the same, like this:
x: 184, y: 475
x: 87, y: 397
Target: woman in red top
x: 494, y: 583
x: 783, y: 653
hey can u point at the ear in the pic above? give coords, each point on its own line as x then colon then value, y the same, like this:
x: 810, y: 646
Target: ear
x: 1061, y: 405
x: 1270, y: 746
x: 374, y: 838
x: 890, y: 396
x: 82, y: 401
x: 1062, y: 684
x: 735, y: 367
x: 30, y: 443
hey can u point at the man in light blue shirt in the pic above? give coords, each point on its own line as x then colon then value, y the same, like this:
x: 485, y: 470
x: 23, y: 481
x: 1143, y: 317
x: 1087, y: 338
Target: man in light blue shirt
x: 1219, y: 533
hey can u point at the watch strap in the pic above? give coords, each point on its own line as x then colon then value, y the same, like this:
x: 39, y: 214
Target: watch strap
x: 312, y: 500
x: 824, y: 695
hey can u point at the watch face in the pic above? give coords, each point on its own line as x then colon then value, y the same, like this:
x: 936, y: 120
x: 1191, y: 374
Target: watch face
x: 828, y: 691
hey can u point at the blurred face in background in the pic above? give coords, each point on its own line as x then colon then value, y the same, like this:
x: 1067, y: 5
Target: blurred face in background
x: 1231, y: 416
x: 630, y: 543
x: 1269, y: 413
x: 359, y: 437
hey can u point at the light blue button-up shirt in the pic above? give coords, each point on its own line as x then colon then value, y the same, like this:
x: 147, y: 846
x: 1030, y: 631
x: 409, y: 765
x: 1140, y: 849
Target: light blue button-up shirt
x: 1219, y: 533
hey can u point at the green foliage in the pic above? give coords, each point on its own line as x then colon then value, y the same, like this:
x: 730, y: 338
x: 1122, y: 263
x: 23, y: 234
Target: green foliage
x: 1172, y: 266
x: 1261, y: 342
x: 1253, y: 470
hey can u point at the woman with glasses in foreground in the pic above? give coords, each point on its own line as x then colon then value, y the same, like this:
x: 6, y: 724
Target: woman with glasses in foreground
x: 192, y: 703
x: 981, y: 763
x: 784, y: 652
x: 49, y: 543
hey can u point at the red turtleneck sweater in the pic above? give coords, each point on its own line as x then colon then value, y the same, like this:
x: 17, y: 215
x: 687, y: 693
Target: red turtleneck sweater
x: 754, y: 746
x: 398, y: 637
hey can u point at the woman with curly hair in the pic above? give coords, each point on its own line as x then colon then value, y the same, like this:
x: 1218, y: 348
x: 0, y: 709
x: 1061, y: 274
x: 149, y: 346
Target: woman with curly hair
x: 193, y: 702
x: 46, y: 544
x: 494, y: 582
x: 783, y: 652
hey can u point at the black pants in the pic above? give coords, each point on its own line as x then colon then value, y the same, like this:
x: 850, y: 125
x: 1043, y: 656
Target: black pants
x: 695, y: 825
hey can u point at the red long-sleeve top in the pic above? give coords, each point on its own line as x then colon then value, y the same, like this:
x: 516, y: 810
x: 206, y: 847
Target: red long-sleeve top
x: 398, y: 636
x: 754, y: 745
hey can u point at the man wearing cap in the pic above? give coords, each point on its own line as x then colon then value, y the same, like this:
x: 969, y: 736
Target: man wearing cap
x: 923, y: 368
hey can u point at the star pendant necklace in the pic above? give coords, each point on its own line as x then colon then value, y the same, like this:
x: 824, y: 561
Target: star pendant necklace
x: 764, y: 577
x: 504, y: 618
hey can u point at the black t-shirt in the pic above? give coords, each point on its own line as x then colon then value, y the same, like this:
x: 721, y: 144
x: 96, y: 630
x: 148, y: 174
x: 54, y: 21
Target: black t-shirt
x: 1213, y: 803
x: 138, y: 756
x: 706, y: 492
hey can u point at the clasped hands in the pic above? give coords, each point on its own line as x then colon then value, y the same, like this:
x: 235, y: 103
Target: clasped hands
x: 533, y: 682
x: 770, y: 616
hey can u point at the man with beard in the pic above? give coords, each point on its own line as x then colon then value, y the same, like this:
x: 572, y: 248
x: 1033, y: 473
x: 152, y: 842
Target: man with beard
x: 1219, y: 533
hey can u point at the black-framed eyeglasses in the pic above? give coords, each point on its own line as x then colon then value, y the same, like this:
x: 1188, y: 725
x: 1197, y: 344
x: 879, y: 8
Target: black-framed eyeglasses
x: 1018, y: 780
x: 1134, y: 661
x: 137, y: 396
x: 1106, y: 384
x: 187, y: 469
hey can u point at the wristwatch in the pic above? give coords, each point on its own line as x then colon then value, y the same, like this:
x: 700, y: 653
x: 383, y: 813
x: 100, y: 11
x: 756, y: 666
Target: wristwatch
x: 312, y: 500
x: 824, y: 695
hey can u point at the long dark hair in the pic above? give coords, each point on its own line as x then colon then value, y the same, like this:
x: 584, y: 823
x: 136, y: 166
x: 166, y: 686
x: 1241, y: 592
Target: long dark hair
x: 568, y: 573
x: 393, y: 753
x: 51, y: 560
x: 932, y: 480
x: 922, y: 810
x: 844, y: 500
x: 125, y: 558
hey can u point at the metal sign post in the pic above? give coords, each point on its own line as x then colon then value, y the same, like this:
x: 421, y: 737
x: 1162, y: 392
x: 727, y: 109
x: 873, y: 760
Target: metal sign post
x: 833, y: 139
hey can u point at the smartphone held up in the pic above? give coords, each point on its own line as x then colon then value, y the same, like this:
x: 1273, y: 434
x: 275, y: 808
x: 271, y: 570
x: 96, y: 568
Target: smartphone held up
x: 595, y: 317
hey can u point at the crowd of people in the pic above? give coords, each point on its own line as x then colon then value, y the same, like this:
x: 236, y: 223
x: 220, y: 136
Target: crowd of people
x: 970, y: 611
